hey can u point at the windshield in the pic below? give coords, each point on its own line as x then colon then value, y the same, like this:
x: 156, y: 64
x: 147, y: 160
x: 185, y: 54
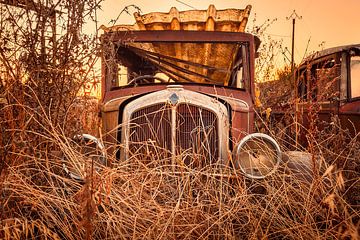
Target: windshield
x: 133, y: 64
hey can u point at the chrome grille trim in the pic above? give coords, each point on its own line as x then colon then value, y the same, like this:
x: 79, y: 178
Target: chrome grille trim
x: 214, y: 127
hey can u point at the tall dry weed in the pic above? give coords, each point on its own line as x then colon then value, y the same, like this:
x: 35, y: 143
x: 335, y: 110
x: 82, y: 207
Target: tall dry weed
x: 337, y: 146
x: 132, y: 198
x: 146, y: 200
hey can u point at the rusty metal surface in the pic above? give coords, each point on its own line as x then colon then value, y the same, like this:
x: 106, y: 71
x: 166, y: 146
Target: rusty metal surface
x: 200, y: 52
x: 324, y: 81
x: 349, y: 115
x: 242, y: 120
x: 332, y: 86
x: 123, y: 38
x: 231, y: 20
x: 183, y: 30
x: 351, y: 108
x: 167, y: 36
x: 329, y: 51
x: 203, y: 88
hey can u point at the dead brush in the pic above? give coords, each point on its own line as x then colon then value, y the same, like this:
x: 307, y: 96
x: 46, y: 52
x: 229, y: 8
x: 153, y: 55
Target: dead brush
x: 135, y: 199
x: 147, y: 200
x: 335, y: 165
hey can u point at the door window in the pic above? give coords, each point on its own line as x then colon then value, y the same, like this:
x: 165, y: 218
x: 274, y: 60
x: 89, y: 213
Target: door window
x: 327, y: 76
x: 355, y: 76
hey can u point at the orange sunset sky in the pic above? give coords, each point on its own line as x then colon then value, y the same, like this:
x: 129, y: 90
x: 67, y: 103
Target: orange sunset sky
x: 327, y: 23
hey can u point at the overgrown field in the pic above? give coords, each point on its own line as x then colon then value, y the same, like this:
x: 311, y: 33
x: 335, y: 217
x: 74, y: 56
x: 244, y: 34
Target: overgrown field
x: 44, y: 65
x: 156, y: 200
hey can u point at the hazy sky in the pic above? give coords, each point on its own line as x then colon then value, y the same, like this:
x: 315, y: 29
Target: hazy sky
x: 331, y: 21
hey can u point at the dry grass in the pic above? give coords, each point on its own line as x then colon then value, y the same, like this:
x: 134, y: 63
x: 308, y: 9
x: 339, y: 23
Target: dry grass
x: 134, y: 199
x: 154, y: 200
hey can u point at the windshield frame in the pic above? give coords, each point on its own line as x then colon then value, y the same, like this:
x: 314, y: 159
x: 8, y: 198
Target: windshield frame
x: 112, y: 41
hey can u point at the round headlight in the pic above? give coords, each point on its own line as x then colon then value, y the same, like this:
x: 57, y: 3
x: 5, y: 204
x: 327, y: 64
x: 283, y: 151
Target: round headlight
x: 257, y: 155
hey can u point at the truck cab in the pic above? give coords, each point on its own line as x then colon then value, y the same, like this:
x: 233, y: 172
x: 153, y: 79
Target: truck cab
x: 179, y: 86
x: 331, y: 78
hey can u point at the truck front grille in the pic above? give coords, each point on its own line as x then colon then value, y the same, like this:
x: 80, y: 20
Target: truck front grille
x: 184, y: 129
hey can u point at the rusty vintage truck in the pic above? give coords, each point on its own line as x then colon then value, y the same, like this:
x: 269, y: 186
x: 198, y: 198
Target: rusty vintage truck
x: 326, y: 94
x: 179, y: 86
x: 331, y: 78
